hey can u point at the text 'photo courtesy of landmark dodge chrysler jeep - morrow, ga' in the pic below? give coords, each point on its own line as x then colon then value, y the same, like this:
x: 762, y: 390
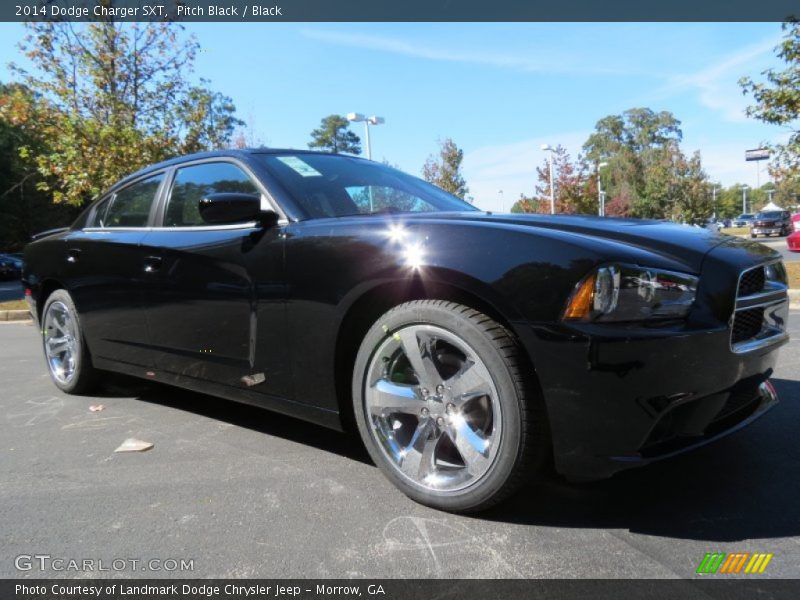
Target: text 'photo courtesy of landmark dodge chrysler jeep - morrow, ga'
x: 469, y: 350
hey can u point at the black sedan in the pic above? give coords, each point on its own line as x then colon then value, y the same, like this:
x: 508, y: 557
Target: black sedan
x: 468, y: 349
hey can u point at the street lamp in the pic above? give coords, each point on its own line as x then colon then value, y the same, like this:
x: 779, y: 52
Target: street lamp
x: 601, y: 195
x: 744, y: 198
x: 551, y: 150
x: 714, y: 188
x: 502, y: 201
x: 373, y: 120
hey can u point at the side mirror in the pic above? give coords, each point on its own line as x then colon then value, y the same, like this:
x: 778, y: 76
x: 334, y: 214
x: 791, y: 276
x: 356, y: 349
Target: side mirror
x: 234, y: 207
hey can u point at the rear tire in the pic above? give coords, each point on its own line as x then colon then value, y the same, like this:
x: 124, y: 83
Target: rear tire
x: 65, y: 350
x: 446, y: 408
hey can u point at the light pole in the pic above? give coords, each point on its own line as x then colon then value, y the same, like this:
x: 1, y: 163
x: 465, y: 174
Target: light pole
x: 744, y: 199
x: 373, y: 120
x: 601, y: 195
x: 551, y: 150
x: 769, y: 195
x: 714, y: 187
x: 502, y: 202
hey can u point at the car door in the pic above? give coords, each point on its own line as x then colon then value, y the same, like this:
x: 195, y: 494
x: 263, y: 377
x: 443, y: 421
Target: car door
x: 215, y: 295
x: 103, y: 267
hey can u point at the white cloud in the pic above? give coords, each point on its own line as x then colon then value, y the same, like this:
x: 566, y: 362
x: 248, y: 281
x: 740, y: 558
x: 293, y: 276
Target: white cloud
x: 717, y: 84
x: 530, y: 60
x: 512, y: 168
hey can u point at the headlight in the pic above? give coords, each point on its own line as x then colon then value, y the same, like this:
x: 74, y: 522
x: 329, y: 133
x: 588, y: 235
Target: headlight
x: 630, y: 293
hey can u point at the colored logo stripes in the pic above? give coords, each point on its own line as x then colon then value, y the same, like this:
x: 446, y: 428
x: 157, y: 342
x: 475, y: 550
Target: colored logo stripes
x: 734, y: 563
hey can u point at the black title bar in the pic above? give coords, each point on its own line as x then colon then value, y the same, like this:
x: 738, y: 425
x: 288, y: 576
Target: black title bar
x: 398, y: 10
x: 714, y: 588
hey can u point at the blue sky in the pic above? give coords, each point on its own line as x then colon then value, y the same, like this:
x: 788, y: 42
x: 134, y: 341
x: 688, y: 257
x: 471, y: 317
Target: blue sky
x: 499, y: 90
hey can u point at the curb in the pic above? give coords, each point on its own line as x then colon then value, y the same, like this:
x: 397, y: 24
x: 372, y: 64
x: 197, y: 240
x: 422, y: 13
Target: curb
x: 15, y: 315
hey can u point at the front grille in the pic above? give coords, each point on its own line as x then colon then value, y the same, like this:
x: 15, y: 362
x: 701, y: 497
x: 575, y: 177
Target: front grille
x: 747, y: 324
x: 752, y: 282
x: 759, y: 314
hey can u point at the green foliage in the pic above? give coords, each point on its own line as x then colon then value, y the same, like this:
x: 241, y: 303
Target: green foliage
x: 111, y: 98
x: 444, y: 170
x: 647, y: 174
x: 25, y: 209
x: 334, y: 135
x: 575, y: 188
x: 777, y: 101
x: 530, y: 205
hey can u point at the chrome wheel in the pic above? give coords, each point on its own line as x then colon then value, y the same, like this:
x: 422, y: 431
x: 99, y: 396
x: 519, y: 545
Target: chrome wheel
x: 432, y: 406
x: 60, y: 342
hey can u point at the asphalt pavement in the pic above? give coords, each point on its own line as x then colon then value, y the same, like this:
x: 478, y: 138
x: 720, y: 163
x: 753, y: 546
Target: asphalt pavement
x: 242, y: 492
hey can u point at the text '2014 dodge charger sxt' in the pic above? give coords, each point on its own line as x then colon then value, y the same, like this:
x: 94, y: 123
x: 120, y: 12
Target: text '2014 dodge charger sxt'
x: 468, y: 349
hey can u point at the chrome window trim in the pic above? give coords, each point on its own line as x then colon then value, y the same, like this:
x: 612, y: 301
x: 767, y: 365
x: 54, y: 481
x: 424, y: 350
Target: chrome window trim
x: 248, y: 225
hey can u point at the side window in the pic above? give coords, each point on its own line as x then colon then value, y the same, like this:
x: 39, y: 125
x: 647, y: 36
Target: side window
x: 131, y: 205
x: 193, y: 183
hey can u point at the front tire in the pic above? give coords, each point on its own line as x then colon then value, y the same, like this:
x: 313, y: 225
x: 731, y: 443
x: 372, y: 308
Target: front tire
x: 65, y: 349
x: 445, y: 407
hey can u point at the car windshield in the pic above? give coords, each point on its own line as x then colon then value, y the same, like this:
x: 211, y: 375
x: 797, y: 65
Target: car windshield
x: 325, y: 185
x: 770, y: 214
x: 745, y: 216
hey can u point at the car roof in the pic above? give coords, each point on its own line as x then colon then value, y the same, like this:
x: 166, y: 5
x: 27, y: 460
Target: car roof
x: 240, y: 153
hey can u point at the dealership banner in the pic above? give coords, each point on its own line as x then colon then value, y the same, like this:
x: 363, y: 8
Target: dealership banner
x: 406, y: 11
x: 398, y: 589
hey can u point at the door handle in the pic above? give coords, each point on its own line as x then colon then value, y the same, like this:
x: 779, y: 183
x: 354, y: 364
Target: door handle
x: 73, y: 254
x: 152, y: 264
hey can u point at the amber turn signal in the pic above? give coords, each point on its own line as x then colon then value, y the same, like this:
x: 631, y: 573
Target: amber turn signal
x: 580, y: 303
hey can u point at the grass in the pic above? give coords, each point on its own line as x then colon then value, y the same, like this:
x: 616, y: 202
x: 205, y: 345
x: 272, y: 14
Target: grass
x: 793, y: 270
x: 736, y: 230
x: 14, y: 305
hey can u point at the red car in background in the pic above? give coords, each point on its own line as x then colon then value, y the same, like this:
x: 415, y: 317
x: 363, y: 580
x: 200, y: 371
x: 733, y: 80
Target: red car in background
x: 793, y: 241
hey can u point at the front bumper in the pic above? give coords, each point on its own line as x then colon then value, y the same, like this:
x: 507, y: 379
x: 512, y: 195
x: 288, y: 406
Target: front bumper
x: 766, y: 230
x: 618, y: 399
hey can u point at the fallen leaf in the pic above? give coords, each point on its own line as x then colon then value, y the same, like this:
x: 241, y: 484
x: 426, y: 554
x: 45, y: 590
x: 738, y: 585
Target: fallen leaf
x: 97, y: 407
x: 134, y: 445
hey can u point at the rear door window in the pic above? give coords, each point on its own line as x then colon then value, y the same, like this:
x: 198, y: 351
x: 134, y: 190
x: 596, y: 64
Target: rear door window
x: 130, y: 206
x: 97, y: 217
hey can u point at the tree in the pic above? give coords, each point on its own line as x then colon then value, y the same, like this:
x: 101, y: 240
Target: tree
x: 647, y: 174
x: 575, y: 189
x: 530, y: 205
x: 334, y: 135
x: 444, y: 170
x: 25, y: 208
x: 692, y: 194
x: 111, y: 98
x: 778, y: 99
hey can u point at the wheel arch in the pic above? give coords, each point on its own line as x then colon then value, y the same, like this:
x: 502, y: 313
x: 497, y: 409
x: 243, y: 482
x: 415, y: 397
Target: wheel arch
x: 46, y: 287
x: 363, y: 311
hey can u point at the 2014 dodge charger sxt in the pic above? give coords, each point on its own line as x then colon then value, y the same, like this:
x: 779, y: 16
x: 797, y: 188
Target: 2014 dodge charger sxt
x: 468, y: 349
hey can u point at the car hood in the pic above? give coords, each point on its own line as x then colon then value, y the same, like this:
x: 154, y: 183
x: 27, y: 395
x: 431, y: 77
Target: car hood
x: 685, y: 244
